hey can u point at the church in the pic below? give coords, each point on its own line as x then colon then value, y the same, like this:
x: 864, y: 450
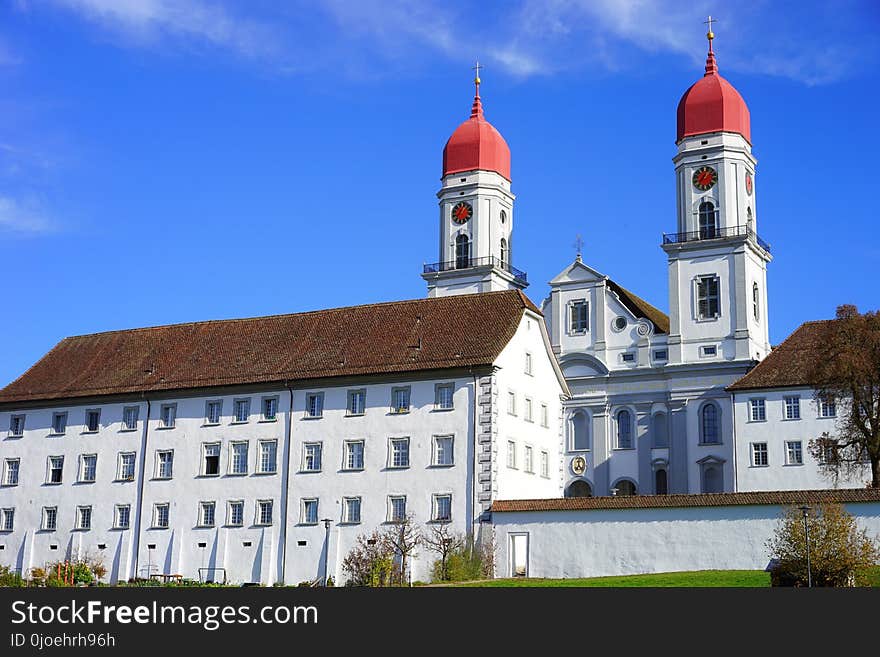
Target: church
x: 259, y: 449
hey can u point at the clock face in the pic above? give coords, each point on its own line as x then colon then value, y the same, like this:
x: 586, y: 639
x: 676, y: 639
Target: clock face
x: 461, y: 212
x: 748, y: 183
x: 705, y: 178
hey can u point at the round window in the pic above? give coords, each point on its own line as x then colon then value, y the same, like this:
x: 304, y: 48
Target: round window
x: 619, y: 323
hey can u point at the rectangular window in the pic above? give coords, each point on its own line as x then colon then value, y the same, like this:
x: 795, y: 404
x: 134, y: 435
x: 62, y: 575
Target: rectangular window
x: 399, y: 453
x: 235, y: 513
x: 351, y: 509
x: 528, y: 364
x: 709, y: 350
x: 130, y: 418
x: 7, y: 520
x: 396, y: 508
x: 827, y: 407
x: 207, y: 513
x: 707, y: 297
x: 59, y: 423
x: 628, y: 358
x: 241, y: 410
x: 310, y: 512
x: 527, y: 460
x: 443, y: 450
x: 268, y: 456
x: 400, y: 400
x: 270, y: 408
x: 545, y: 464
x: 239, y: 458
x: 354, y: 455
x: 527, y: 414
x: 56, y: 466
x: 661, y: 354
x: 83, y: 517
x: 545, y: 417
x: 442, y: 508
x: 88, y: 467
x: 50, y: 518
x: 213, y: 410
x: 443, y: 396
x: 93, y: 420
x: 264, y: 512
x: 161, y: 515
x: 16, y: 425
x: 757, y: 410
x: 511, y: 454
x: 357, y: 402
x: 511, y: 402
x: 579, y: 316
x: 759, y: 454
x: 312, y: 457
x: 164, y: 464
x: 122, y: 516
x: 167, y: 415
x: 315, y: 404
x: 794, y: 452
x: 10, y: 472
x: 211, y: 459
x: 126, y: 466
x: 792, y: 408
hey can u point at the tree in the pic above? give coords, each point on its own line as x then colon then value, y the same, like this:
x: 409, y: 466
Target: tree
x: 848, y: 374
x: 444, y: 542
x: 402, y: 538
x: 840, y: 553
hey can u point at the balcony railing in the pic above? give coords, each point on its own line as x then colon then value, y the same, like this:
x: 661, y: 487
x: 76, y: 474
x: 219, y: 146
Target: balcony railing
x: 487, y: 261
x: 714, y: 234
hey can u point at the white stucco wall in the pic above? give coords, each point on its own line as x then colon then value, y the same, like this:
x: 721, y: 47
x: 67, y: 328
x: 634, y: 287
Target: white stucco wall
x: 600, y: 543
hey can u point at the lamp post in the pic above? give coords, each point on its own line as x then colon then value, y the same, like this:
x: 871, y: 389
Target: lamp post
x: 326, y: 522
x: 805, y: 510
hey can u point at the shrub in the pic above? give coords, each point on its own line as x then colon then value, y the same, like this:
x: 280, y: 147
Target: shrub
x: 840, y: 553
x: 370, y: 562
x: 466, y: 560
x: 9, y: 578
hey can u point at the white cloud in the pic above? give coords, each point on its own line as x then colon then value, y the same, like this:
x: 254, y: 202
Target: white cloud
x: 25, y: 217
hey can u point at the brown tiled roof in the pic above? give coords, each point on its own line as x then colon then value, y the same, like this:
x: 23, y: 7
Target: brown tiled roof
x: 793, y: 362
x: 403, y: 336
x: 665, y: 501
x: 641, y: 308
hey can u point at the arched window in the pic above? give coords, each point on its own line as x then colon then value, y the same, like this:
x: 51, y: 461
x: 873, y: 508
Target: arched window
x: 755, y: 295
x: 625, y: 487
x: 708, y: 220
x: 750, y: 221
x: 624, y: 430
x: 505, y: 254
x: 661, y: 486
x: 579, y: 488
x: 709, y: 430
x: 712, y: 479
x: 659, y: 430
x: 462, y: 252
x: 580, y: 431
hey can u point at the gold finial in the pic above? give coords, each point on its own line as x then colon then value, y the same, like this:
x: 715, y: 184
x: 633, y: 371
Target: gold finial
x: 477, y: 66
x: 710, y: 34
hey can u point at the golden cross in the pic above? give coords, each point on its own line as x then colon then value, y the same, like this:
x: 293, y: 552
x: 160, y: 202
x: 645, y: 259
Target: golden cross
x: 709, y: 22
x: 477, y: 66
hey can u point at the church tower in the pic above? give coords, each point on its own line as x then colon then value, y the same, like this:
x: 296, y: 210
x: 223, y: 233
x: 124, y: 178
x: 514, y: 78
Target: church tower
x: 476, y: 212
x: 717, y: 262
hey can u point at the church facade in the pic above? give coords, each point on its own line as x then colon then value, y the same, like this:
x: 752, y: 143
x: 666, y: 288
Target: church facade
x: 258, y: 450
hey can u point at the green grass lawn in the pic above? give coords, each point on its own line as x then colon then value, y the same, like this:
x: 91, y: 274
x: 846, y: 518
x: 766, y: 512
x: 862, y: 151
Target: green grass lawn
x: 700, y: 578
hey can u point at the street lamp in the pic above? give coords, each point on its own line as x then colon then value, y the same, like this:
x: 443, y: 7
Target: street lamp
x: 805, y: 510
x: 326, y: 522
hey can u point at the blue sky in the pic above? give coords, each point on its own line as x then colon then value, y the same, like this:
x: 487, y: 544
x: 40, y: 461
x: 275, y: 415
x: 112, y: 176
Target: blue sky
x: 166, y: 161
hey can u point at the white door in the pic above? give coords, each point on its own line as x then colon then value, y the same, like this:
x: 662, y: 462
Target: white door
x: 519, y: 555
